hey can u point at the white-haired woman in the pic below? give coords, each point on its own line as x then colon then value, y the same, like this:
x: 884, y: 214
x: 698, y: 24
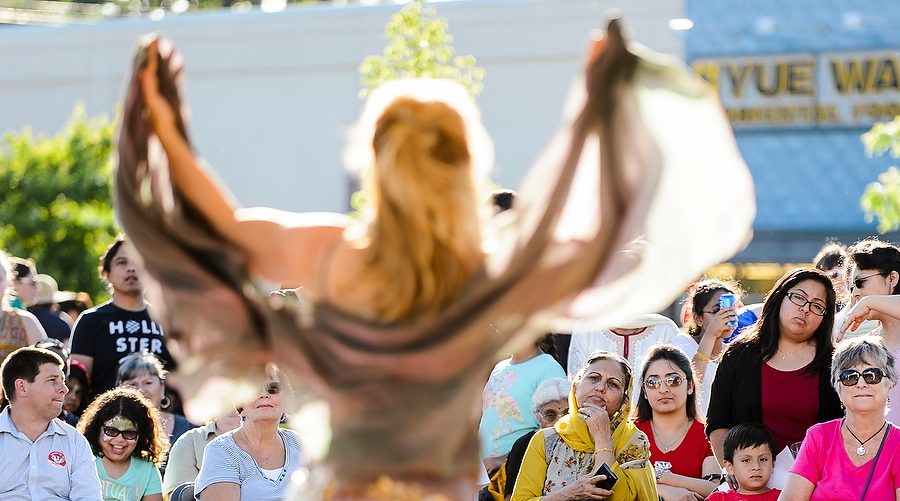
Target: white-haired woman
x: 857, y: 457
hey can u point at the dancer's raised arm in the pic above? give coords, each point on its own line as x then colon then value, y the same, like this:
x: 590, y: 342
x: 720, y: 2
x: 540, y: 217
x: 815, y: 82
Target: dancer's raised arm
x: 269, y: 237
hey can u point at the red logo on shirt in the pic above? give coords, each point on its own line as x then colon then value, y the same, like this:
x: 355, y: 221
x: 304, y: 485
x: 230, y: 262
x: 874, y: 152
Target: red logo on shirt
x: 57, y: 458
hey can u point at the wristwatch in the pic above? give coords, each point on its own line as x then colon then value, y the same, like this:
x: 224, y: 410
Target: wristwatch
x: 661, y: 467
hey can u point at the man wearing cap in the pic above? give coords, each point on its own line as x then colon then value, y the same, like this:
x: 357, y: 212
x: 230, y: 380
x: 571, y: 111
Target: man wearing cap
x: 43, y: 458
x: 45, y: 307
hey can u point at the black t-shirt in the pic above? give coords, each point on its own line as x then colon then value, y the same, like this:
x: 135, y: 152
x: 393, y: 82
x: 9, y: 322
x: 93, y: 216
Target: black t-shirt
x: 108, y: 334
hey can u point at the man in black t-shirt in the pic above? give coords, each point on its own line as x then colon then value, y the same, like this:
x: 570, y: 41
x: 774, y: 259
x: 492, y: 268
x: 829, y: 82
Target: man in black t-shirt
x: 104, y: 335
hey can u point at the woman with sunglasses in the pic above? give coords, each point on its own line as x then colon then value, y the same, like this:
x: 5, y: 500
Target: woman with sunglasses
x: 778, y: 373
x: 667, y: 413
x: 255, y: 461
x: 129, y: 443
x: 857, y: 457
x: 873, y: 268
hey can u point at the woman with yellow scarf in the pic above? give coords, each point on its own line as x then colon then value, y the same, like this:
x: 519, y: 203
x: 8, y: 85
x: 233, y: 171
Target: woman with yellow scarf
x: 561, y: 463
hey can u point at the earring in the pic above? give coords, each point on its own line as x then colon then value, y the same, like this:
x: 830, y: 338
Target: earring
x: 165, y: 402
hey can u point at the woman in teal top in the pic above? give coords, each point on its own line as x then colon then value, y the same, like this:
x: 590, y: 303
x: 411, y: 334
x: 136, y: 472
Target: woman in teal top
x: 129, y: 443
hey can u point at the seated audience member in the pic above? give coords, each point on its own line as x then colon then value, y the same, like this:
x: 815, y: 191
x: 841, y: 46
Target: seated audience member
x: 142, y: 370
x: 667, y: 413
x: 831, y: 259
x: 18, y: 328
x: 186, y: 455
x: 778, y: 374
x: 561, y: 463
x: 749, y: 456
x: 707, y: 329
x: 60, y: 349
x: 632, y: 340
x: 256, y: 460
x: 42, y: 457
x: 857, y: 457
x: 74, y: 307
x: 79, y: 389
x: 129, y: 443
x: 24, y: 282
x: 549, y: 403
x: 506, y: 400
x: 872, y: 268
x: 45, y: 308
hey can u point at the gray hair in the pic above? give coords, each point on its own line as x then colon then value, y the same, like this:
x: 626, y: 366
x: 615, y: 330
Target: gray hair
x: 862, y: 350
x: 141, y: 361
x: 550, y: 390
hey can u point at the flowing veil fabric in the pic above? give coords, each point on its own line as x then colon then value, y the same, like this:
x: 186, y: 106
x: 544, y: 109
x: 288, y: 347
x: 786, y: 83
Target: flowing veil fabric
x: 402, y: 396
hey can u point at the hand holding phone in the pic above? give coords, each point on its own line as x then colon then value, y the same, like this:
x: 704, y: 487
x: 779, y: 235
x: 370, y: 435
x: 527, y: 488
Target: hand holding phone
x: 610, y: 481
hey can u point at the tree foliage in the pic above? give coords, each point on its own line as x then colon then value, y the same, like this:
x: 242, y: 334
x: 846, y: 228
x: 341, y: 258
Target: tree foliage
x: 57, y: 206
x: 881, y: 199
x: 418, y: 45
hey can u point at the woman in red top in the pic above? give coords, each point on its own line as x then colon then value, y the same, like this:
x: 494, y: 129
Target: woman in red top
x: 667, y: 413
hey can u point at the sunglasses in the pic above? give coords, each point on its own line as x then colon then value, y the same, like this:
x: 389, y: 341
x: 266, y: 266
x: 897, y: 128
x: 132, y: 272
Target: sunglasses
x: 872, y: 375
x: 111, y: 432
x: 272, y: 388
x: 654, y: 383
x: 858, y: 283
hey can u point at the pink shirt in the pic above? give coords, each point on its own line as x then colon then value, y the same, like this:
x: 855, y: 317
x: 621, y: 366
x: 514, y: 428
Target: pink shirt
x: 771, y: 495
x: 824, y: 462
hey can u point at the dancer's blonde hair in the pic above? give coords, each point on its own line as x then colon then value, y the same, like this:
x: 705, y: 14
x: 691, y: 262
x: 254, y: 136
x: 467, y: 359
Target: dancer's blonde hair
x: 424, y: 228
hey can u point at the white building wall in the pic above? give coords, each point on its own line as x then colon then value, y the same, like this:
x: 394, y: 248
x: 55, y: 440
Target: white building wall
x: 271, y: 94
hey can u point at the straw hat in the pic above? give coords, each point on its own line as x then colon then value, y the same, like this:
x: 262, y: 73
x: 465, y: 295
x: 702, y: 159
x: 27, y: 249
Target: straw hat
x: 48, y: 291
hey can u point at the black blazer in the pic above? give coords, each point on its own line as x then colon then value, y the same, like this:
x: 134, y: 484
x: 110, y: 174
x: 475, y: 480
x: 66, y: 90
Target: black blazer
x: 736, y: 395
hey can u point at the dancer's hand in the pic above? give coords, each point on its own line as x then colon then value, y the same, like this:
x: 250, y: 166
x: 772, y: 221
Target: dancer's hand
x: 161, y: 113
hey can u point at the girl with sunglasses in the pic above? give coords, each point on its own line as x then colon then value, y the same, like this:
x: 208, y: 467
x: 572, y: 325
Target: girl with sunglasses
x: 857, y: 457
x: 255, y: 461
x: 129, y: 443
x: 778, y: 373
x: 667, y: 413
x: 873, y: 268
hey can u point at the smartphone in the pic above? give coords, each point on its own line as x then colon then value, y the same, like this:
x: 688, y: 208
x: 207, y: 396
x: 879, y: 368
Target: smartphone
x: 610, y: 479
x: 727, y: 301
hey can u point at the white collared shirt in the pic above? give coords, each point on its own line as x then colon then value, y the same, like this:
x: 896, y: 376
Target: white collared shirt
x: 58, y: 466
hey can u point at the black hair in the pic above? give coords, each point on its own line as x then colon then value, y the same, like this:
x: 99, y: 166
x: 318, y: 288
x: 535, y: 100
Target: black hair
x: 746, y: 436
x: 77, y: 373
x: 699, y: 295
x: 677, y: 357
x: 873, y: 254
x: 502, y: 200
x: 766, y: 332
x: 109, y: 254
x: 830, y: 256
x: 152, y: 441
x: 22, y: 268
x: 546, y: 344
x: 24, y: 363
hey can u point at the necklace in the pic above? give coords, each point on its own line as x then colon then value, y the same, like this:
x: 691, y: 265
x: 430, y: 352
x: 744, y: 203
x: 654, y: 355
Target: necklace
x: 861, y: 450
x: 670, y: 447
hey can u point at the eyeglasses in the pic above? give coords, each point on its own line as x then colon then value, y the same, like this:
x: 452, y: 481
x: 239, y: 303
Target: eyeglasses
x: 552, y: 415
x: 858, y: 283
x: 272, y: 388
x: 834, y: 273
x: 111, y: 432
x: 872, y: 375
x: 654, y: 383
x: 801, y: 301
x: 716, y: 309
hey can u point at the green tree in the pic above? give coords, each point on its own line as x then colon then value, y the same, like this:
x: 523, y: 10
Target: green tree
x: 418, y: 46
x: 57, y: 205
x: 881, y: 199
